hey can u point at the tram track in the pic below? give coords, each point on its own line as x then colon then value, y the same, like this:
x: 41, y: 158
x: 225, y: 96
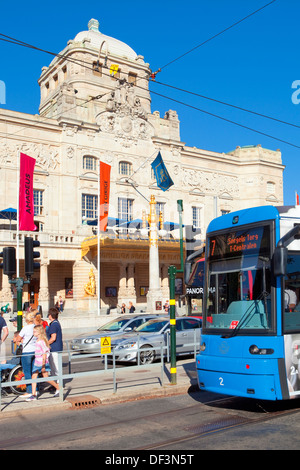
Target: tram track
x: 219, y: 425
x: 224, y: 423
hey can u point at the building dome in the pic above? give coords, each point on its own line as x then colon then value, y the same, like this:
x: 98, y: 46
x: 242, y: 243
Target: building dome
x: 110, y: 45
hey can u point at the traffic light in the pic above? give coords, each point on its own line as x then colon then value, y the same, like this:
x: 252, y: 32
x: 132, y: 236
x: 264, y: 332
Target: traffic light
x: 30, y: 255
x: 9, y: 261
x: 191, y: 243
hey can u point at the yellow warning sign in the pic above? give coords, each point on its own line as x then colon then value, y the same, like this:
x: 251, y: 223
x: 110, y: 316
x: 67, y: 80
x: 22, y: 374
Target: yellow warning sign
x: 106, y: 345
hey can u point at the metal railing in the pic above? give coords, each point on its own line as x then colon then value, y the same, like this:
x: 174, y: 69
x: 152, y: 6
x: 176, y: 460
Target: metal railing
x: 61, y: 377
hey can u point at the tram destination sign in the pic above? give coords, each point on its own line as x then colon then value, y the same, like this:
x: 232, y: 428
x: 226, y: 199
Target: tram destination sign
x: 249, y: 241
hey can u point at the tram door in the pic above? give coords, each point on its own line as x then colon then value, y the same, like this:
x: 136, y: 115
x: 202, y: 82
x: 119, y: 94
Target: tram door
x: 33, y: 293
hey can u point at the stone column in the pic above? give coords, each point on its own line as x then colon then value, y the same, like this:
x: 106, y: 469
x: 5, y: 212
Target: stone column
x: 165, y: 282
x: 122, y: 293
x: 131, y: 292
x: 154, y: 296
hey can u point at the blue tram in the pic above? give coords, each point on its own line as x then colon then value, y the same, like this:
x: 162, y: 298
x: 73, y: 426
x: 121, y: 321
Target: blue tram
x: 250, y: 343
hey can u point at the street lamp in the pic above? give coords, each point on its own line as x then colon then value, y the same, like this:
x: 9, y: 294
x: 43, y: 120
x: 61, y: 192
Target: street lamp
x: 154, y: 296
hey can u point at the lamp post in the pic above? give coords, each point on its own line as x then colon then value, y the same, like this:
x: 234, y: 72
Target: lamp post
x: 154, y: 295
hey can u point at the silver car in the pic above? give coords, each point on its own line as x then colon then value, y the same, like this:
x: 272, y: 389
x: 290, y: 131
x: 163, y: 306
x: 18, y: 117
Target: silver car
x: 90, y: 343
x: 153, y: 334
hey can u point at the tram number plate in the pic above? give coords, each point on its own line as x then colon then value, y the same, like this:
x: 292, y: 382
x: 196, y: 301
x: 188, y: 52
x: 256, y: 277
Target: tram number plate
x: 221, y: 380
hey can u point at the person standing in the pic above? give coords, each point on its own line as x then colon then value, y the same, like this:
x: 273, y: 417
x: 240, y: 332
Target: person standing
x: 3, y: 336
x: 54, y: 335
x: 41, y: 364
x: 28, y: 342
x: 131, y: 307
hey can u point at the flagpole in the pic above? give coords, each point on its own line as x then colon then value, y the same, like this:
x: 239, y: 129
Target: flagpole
x: 141, y: 166
x: 98, y: 241
x: 18, y: 217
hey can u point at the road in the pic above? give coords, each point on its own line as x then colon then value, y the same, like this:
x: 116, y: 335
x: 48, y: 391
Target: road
x: 196, y: 421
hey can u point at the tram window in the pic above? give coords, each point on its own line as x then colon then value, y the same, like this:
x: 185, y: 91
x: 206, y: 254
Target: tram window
x: 239, y: 293
x: 291, y: 293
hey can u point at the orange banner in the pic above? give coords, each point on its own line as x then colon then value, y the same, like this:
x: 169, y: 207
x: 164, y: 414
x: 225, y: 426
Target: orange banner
x: 104, y: 195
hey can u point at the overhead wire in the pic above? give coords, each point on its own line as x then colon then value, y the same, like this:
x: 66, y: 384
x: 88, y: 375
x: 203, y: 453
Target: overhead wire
x: 89, y: 66
x: 216, y: 35
x: 281, y: 121
x: 226, y: 119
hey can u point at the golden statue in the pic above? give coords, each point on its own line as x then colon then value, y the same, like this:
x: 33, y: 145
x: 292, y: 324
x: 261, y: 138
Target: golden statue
x: 90, y: 287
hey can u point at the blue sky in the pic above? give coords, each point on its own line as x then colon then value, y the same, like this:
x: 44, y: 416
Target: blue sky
x: 253, y: 65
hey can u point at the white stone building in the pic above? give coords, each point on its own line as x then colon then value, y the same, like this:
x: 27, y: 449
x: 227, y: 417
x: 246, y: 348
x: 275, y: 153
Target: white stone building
x: 95, y: 105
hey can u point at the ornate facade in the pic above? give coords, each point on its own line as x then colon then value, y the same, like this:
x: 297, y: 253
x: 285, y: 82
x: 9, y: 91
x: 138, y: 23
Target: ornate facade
x: 96, y: 105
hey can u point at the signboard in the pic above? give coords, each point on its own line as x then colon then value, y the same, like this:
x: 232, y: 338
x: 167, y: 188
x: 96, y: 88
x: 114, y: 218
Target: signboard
x: 106, y: 345
x: 249, y: 241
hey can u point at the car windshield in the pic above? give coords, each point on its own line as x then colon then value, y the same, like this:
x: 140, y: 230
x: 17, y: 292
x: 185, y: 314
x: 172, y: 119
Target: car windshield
x: 152, y: 326
x: 114, y: 325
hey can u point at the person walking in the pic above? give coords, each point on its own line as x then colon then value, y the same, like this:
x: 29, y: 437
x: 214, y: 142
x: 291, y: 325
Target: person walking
x: 41, y: 362
x: 28, y: 342
x: 54, y: 335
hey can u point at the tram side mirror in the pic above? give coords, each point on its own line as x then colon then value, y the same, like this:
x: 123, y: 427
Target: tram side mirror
x: 280, y: 261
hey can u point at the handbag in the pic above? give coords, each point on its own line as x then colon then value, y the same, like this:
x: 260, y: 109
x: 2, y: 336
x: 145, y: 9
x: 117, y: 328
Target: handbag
x: 19, y: 350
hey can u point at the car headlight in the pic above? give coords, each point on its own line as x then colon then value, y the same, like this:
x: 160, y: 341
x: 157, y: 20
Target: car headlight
x: 91, y: 341
x: 132, y: 344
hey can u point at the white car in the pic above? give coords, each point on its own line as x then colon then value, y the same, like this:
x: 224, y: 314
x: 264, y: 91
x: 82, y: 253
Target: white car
x: 90, y: 343
x: 153, y: 334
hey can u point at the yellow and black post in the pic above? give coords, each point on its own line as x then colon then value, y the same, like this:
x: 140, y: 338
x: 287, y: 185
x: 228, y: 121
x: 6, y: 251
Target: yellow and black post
x: 172, y: 276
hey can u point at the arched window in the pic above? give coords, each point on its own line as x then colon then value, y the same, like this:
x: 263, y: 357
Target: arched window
x: 125, y: 168
x: 89, y: 163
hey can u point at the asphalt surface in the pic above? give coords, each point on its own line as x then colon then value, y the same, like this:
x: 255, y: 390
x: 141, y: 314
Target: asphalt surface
x: 133, y: 383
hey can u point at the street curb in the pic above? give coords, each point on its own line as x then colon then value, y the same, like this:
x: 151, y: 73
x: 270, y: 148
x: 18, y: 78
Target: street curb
x: 68, y: 404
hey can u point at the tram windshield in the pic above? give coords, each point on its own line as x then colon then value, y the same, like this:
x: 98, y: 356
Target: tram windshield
x: 238, y: 274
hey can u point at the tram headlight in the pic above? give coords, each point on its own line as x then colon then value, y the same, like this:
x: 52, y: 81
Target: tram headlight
x: 262, y: 351
x: 254, y: 349
x: 202, y: 347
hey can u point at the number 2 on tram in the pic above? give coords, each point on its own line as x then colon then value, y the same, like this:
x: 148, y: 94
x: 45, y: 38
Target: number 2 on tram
x: 250, y: 343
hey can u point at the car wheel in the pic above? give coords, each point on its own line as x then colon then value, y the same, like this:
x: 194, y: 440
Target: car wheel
x: 147, y: 356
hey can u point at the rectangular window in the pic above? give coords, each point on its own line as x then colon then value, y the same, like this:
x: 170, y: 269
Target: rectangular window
x: 160, y: 207
x: 38, y: 202
x: 89, y: 206
x: 97, y: 69
x: 125, y: 207
x: 132, y: 78
x: 196, y: 216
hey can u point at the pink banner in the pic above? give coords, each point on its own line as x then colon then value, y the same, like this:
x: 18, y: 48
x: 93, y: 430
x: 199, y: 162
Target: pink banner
x: 26, y: 211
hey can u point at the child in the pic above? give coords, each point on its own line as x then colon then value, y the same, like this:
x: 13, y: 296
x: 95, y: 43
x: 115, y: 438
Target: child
x: 38, y: 320
x: 41, y: 363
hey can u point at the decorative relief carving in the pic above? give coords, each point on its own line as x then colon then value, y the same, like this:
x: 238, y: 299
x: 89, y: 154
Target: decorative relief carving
x: 209, y: 182
x: 125, y: 116
x: 47, y: 156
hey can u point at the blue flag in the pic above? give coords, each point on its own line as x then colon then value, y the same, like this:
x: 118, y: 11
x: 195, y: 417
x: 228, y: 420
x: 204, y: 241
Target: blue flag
x: 163, y: 179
